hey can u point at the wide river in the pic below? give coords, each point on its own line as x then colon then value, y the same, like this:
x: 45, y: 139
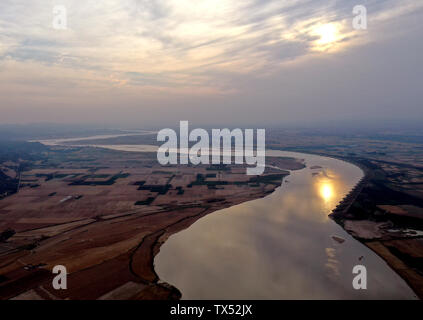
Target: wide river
x: 277, y: 247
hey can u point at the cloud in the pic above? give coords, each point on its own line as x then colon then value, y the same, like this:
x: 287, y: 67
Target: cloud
x: 177, y: 46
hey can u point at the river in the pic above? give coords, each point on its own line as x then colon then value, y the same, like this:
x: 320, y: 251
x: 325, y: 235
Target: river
x: 278, y: 247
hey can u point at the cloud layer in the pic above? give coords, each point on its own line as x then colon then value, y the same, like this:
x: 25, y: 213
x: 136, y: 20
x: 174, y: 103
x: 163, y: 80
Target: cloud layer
x: 141, y: 53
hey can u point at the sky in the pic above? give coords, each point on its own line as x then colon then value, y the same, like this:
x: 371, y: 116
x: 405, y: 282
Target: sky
x: 249, y: 63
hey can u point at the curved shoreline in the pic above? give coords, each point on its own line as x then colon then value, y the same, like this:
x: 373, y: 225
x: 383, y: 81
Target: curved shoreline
x: 342, y: 207
x: 203, y: 223
x: 339, y: 216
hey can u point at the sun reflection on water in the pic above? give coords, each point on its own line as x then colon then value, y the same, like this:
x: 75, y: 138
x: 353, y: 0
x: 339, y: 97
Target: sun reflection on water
x: 326, y: 191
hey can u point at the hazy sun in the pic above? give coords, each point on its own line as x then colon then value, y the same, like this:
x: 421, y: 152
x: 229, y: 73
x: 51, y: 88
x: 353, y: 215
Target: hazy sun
x: 328, y: 34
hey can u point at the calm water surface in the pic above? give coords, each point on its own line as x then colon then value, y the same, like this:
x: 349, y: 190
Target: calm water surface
x: 280, y: 246
x: 277, y: 247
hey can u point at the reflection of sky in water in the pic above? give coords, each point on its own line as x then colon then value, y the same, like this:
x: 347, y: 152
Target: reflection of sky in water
x: 278, y: 247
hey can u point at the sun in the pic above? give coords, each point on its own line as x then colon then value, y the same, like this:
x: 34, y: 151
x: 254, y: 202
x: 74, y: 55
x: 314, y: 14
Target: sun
x: 328, y: 34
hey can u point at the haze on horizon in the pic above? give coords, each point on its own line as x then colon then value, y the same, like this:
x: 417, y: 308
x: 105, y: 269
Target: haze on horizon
x: 227, y: 62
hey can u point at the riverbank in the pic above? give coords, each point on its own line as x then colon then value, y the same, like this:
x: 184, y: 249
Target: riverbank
x: 106, y: 213
x: 154, y: 240
x: 360, y: 215
x: 287, y: 242
x: 396, y: 239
